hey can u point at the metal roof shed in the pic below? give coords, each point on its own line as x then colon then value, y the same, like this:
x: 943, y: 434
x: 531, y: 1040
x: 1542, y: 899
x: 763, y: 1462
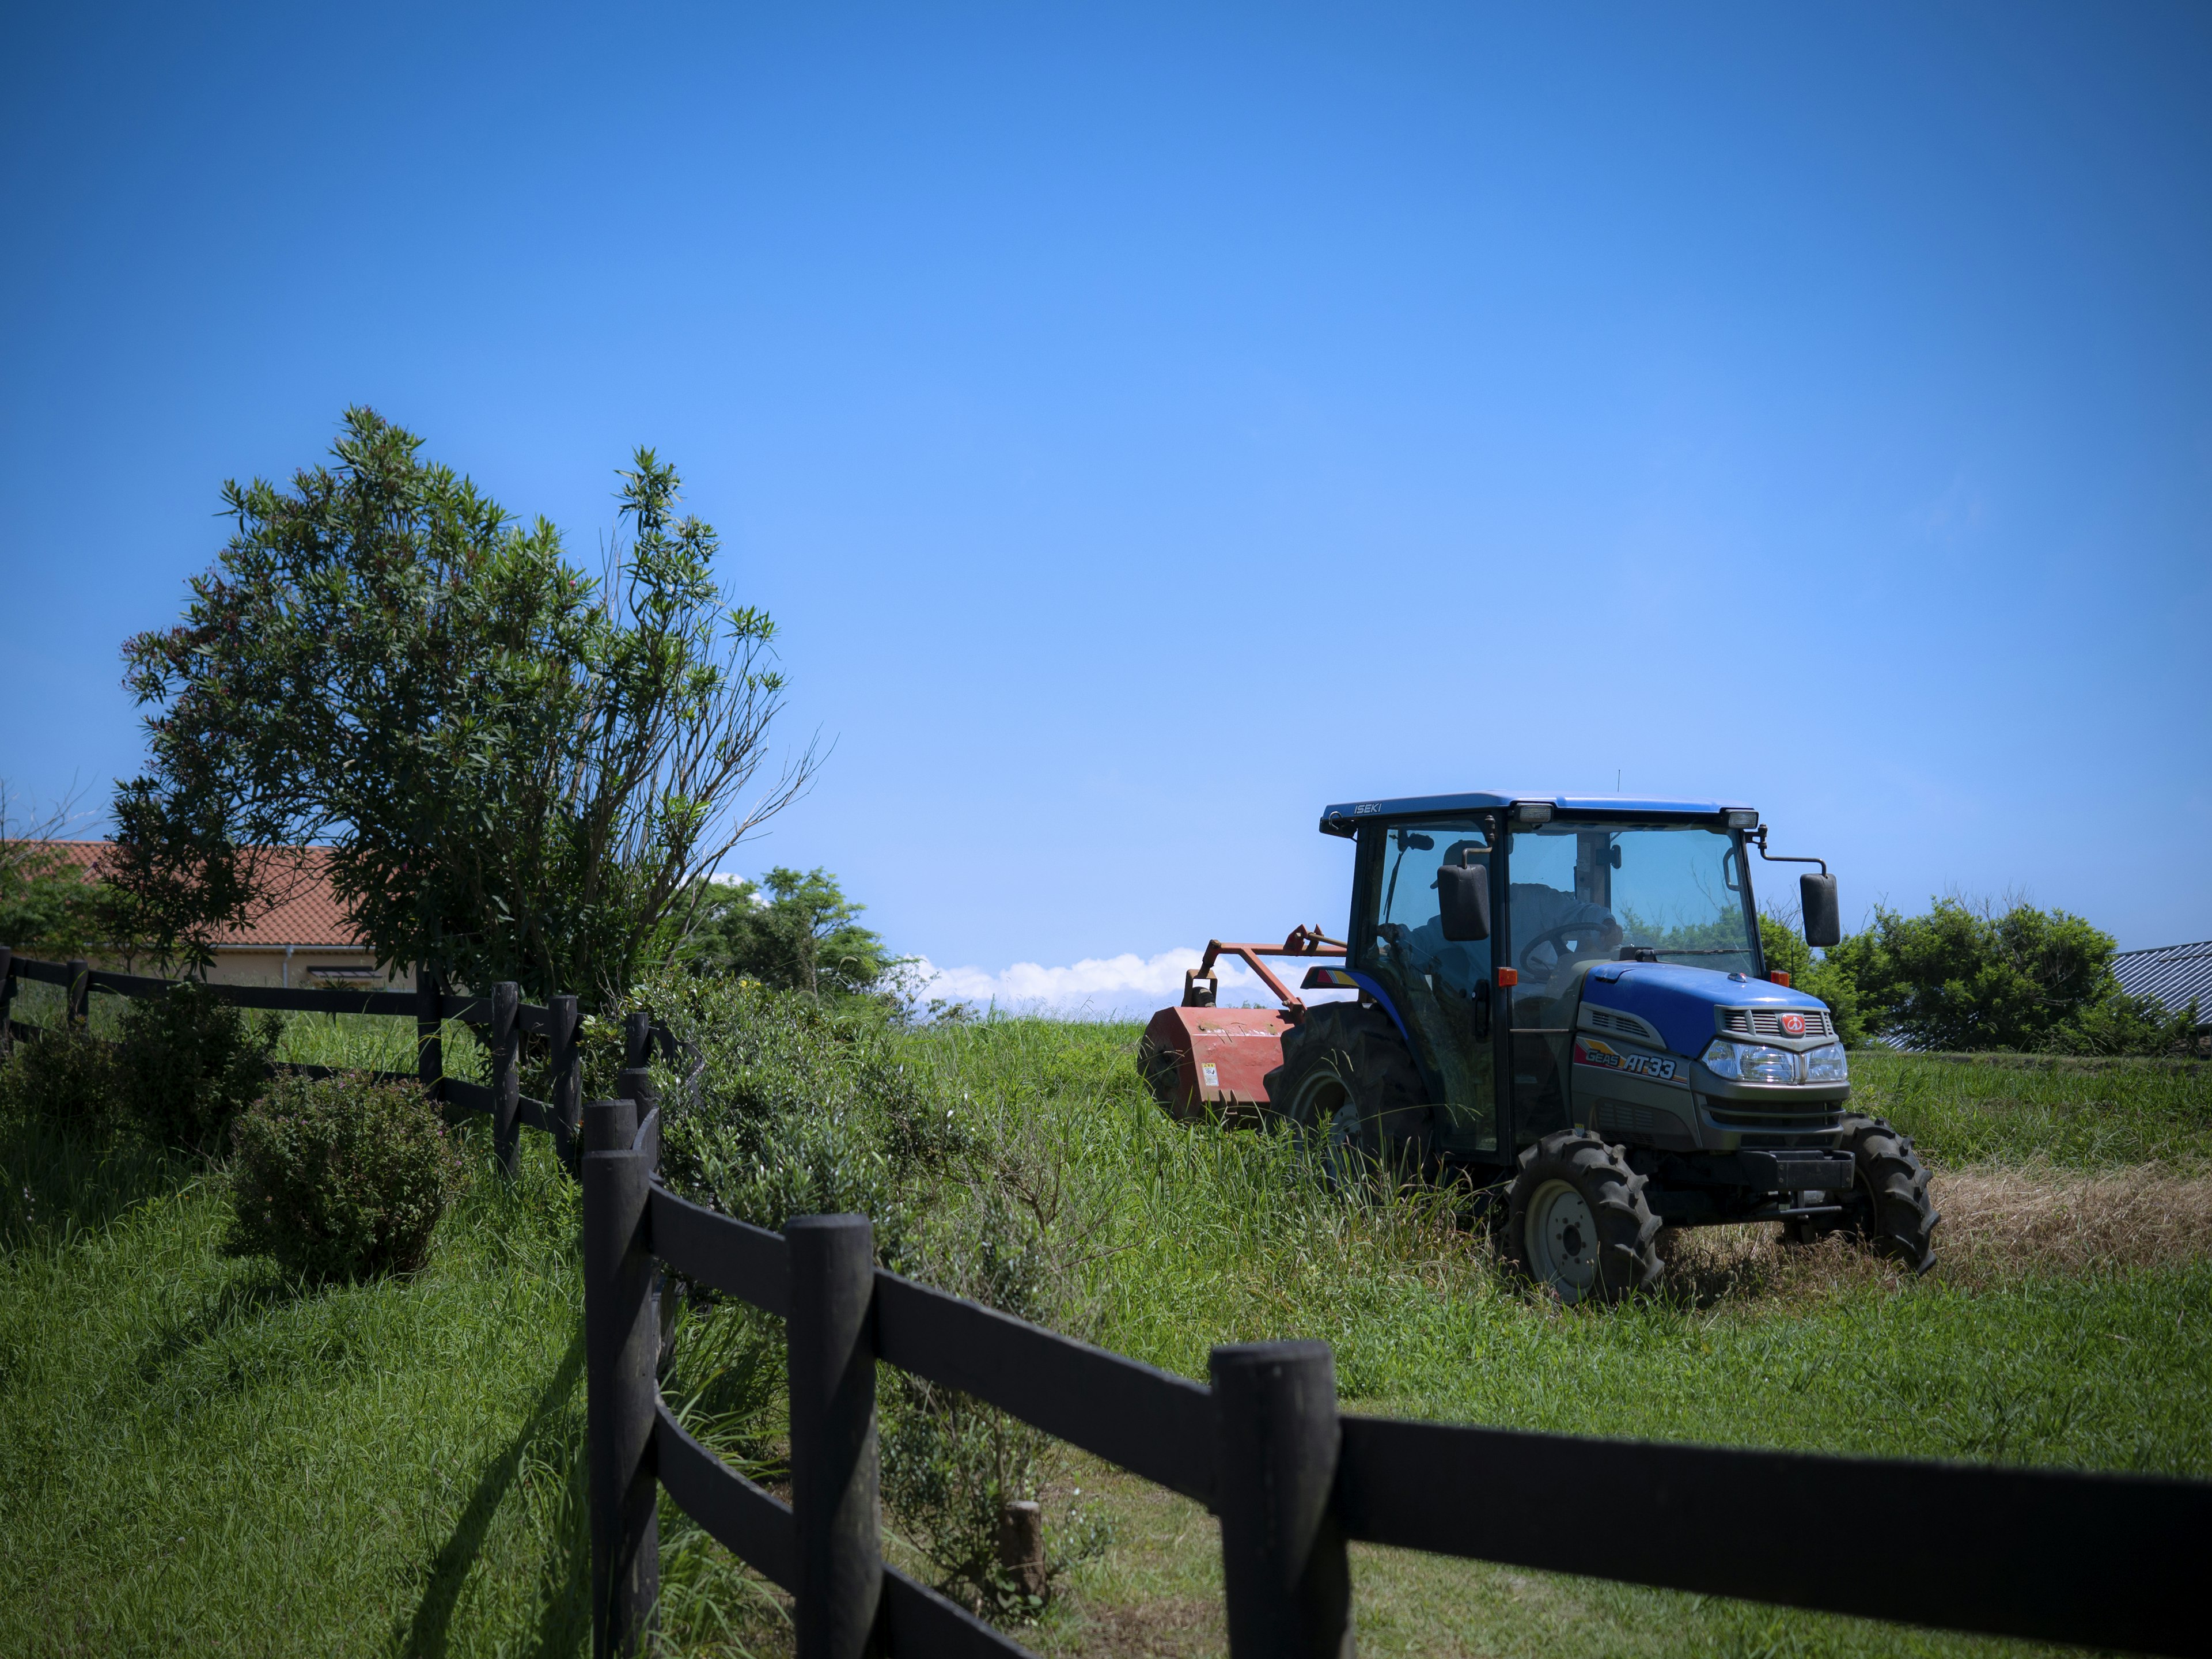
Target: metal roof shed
x: 2172, y: 973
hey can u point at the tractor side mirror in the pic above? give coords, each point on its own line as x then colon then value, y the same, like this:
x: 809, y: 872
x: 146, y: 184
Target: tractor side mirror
x: 1823, y: 912
x: 1463, y: 902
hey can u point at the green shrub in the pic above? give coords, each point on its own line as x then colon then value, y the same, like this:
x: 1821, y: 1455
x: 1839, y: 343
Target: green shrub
x: 60, y: 1079
x: 805, y: 1106
x: 2125, y: 1025
x: 341, y: 1177
x: 190, y: 1064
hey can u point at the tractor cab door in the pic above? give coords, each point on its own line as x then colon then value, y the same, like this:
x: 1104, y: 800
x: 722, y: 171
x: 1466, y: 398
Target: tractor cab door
x: 1441, y: 988
x: 1560, y: 923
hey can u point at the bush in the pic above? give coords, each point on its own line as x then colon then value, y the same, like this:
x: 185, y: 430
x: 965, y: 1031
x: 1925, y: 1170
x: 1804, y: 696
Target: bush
x: 1966, y: 978
x: 2125, y: 1025
x: 61, y: 1080
x: 805, y: 1107
x: 190, y: 1064
x: 341, y: 1177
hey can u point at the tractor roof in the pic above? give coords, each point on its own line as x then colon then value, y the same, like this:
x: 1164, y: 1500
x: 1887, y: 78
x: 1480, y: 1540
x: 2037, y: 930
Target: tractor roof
x: 1343, y: 819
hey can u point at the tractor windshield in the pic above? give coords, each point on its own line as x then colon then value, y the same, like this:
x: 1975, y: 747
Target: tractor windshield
x: 1585, y: 892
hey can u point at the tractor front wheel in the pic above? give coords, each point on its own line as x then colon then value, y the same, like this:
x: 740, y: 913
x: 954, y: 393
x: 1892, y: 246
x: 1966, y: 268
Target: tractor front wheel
x: 1888, y: 1205
x: 1579, y: 1224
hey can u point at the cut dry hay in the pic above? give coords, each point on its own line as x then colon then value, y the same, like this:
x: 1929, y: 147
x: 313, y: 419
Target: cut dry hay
x: 2064, y: 1221
x: 1999, y: 1224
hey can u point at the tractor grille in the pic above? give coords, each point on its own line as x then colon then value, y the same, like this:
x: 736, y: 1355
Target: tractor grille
x: 1605, y: 1019
x: 1767, y: 1021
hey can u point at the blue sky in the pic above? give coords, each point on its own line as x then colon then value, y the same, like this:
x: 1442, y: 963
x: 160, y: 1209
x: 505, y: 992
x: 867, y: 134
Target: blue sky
x: 1147, y: 425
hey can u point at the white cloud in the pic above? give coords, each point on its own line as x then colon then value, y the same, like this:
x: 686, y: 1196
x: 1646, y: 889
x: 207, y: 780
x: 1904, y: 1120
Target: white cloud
x: 1097, y: 987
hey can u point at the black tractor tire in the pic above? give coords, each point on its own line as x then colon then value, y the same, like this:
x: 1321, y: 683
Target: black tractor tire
x: 1888, y: 1207
x: 1348, y: 1085
x: 1578, y: 1223
x: 1161, y: 1068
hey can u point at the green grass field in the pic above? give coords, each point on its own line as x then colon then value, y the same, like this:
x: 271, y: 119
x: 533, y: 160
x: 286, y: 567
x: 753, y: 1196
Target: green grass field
x: 200, y: 1455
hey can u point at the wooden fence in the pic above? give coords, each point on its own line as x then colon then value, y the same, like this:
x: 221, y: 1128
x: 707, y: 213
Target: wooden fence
x: 2057, y: 1555
x: 501, y: 1017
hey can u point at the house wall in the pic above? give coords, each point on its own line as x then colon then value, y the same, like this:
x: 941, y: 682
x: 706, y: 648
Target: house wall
x: 264, y: 965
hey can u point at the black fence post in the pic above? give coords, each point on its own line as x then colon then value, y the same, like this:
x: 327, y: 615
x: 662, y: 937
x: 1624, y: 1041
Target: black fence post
x: 635, y: 1083
x: 832, y: 1352
x: 637, y: 1038
x: 1287, y: 1580
x: 7, y: 997
x: 566, y: 1097
x: 609, y: 1126
x: 618, y: 1356
x: 78, y: 1011
x: 507, y: 1076
x: 430, y: 1023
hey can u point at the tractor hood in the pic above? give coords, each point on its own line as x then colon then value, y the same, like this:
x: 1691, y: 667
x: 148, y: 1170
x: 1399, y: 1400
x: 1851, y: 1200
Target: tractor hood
x: 1679, y: 1002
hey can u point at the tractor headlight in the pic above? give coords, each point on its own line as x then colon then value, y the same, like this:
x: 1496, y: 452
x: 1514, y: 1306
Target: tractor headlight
x: 1750, y: 1062
x: 1827, y: 1065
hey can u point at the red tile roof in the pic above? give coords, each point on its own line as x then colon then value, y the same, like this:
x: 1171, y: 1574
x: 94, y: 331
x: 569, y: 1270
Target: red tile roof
x: 309, y: 914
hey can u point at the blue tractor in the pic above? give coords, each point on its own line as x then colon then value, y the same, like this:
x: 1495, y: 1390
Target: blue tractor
x: 1564, y: 1001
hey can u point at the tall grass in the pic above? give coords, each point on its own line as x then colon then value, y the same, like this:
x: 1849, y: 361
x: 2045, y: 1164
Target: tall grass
x: 2015, y: 1109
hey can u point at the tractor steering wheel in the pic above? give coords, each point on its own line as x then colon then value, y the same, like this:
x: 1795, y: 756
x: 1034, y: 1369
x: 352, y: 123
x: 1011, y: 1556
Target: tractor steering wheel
x: 1556, y: 937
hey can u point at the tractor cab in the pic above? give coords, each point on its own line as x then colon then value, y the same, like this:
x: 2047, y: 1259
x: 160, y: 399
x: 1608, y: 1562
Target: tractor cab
x: 1478, y: 927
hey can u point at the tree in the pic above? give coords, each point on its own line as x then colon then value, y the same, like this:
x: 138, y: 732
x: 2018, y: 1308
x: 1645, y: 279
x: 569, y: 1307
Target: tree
x: 791, y: 930
x: 521, y: 771
x: 48, y: 905
x: 1965, y: 977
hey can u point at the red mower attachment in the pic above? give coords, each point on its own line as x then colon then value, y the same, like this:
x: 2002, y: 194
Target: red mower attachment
x: 1202, y: 1060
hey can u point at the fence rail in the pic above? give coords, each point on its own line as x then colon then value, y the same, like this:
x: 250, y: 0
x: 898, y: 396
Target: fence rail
x: 2059, y: 1555
x: 503, y: 1017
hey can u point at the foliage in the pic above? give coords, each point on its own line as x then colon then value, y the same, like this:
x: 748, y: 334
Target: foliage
x: 62, y: 1079
x: 2125, y: 1025
x: 951, y: 1464
x: 49, y: 907
x: 802, y: 1107
x: 341, y: 1178
x: 521, y: 771
x: 805, y: 1108
x: 791, y: 933
x: 1965, y: 978
x: 190, y: 1063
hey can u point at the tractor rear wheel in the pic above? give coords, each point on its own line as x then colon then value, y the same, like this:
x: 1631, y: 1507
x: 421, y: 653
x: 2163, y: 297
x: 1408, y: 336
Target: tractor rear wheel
x: 1888, y: 1205
x: 1348, y: 1085
x: 1578, y: 1223
x: 1162, y: 1070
